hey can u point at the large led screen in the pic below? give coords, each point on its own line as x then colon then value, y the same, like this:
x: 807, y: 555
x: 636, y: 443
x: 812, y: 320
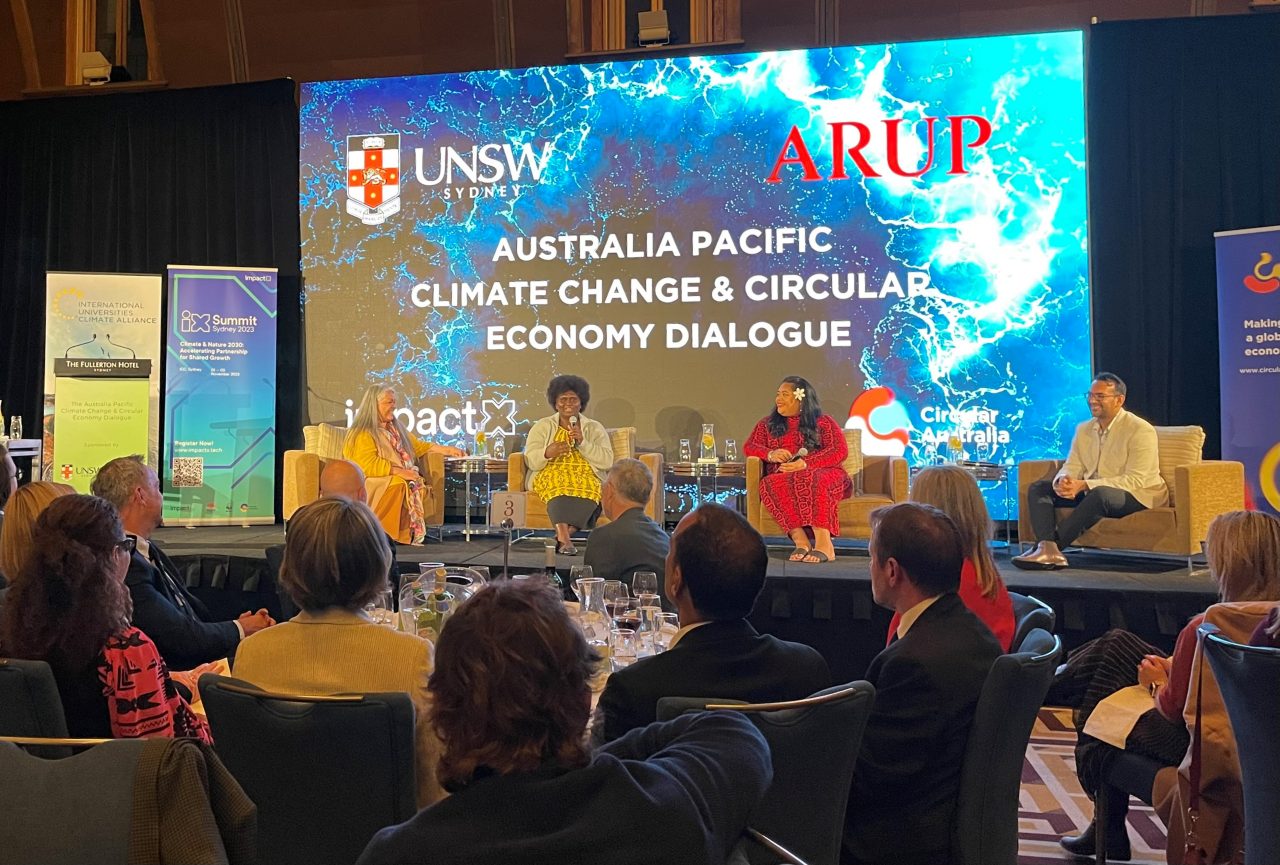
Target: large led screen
x: 903, y: 225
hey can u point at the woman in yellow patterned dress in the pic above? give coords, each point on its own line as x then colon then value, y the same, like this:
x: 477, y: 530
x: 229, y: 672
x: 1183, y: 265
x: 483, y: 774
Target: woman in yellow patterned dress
x: 388, y: 453
x: 567, y: 455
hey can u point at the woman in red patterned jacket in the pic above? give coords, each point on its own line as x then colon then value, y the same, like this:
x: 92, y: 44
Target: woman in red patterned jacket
x: 802, y: 491
x: 70, y: 608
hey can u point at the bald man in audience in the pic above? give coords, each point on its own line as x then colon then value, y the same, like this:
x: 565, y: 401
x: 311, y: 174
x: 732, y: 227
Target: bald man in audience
x: 343, y: 479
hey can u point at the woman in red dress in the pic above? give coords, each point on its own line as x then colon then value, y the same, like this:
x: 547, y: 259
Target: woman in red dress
x: 802, y: 491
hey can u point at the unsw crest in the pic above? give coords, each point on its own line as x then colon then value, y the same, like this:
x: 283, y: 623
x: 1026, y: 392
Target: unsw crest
x: 373, y: 177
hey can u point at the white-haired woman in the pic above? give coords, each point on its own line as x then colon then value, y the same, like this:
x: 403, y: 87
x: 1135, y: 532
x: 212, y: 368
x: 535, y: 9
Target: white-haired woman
x: 388, y: 453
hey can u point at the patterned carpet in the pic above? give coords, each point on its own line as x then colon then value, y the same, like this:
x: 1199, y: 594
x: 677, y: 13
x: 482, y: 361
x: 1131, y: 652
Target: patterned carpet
x: 1053, y: 804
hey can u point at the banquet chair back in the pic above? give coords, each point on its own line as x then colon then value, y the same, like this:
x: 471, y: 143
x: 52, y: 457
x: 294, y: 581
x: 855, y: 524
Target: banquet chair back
x: 128, y: 800
x: 1029, y: 613
x: 30, y: 705
x: 986, y: 823
x: 1249, y: 679
x: 326, y: 772
x: 815, y: 744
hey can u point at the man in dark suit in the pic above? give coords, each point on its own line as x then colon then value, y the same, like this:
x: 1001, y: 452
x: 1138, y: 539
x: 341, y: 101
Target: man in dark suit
x: 630, y: 541
x: 714, y: 571
x: 902, y: 802
x: 174, y: 619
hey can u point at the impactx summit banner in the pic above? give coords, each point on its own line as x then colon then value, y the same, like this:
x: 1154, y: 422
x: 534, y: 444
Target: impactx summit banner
x: 903, y: 225
x: 220, y: 396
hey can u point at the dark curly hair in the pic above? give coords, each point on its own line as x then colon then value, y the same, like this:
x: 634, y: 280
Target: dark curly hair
x: 810, y: 411
x: 67, y: 598
x: 564, y: 383
x: 511, y: 686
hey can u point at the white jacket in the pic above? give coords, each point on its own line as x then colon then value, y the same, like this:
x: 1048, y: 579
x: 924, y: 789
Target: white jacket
x: 595, y: 446
x: 1127, y: 459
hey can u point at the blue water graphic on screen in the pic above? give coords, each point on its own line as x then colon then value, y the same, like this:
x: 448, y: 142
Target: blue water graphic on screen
x: 904, y: 225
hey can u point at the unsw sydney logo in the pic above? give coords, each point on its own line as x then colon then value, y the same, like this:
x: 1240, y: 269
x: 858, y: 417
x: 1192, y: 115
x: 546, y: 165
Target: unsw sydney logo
x: 493, y: 170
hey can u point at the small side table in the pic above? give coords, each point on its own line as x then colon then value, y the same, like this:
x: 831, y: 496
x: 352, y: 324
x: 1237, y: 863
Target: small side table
x: 694, y: 483
x: 32, y: 449
x: 469, y: 467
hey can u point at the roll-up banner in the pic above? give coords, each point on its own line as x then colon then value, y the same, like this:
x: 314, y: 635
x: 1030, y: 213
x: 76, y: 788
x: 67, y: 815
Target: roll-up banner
x: 220, y: 396
x: 1249, y: 357
x: 101, y: 373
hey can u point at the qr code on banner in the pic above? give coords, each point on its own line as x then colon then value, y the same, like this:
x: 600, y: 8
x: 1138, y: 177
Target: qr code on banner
x: 188, y: 472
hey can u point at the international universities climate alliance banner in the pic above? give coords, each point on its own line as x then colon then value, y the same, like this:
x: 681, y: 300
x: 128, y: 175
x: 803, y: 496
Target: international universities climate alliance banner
x: 220, y: 396
x: 902, y: 224
x: 1249, y: 357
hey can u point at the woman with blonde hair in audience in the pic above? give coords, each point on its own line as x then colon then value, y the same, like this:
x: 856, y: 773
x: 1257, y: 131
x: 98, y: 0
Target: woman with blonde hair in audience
x: 388, y: 455
x: 69, y: 607
x: 24, y: 506
x: 953, y: 491
x: 1243, y: 552
x: 336, y: 559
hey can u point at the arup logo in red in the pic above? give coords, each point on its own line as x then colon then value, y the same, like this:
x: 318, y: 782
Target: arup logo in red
x: 883, y: 421
x: 1263, y: 283
x: 795, y: 150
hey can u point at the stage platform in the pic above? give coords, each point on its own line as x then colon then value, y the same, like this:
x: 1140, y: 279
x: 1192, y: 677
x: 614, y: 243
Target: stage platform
x: 828, y: 606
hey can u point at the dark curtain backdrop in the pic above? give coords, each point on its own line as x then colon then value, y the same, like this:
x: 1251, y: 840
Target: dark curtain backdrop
x: 1184, y: 140
x: 130, y: 183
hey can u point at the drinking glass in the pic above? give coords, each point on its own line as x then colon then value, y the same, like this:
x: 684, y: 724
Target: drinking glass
x: 499, y: 447
x: 428, y: 568
x: 730, y: 451
x: 625, y: 613
x: 686, y: 452
x: 649, y: 599
x: 622, y: 646
x: 15, y: 427
x: 578, y: 573
x: 647, y: 632
x: 379, y: 609
x: 668, y: 626
x: 644, y: 582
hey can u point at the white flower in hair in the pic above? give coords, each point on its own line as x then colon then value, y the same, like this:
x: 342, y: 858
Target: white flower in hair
x: 798, y: 393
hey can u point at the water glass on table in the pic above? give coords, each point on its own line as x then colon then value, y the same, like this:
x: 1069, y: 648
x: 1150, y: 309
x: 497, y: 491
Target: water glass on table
x: 578, y: 573
x: 668, y: 627
x: 622, y: 648
x: 644, y: 582
x: 379, y: 609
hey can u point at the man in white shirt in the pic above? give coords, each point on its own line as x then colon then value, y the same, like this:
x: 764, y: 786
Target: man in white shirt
x: 1113, y: 470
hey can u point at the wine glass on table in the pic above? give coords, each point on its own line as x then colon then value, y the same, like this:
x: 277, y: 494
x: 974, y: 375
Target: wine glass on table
x: 644, y: 583
x: 626, y: 614
x: 578, y: 573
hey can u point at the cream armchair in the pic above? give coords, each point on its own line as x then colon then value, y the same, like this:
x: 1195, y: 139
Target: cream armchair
x: 1199, y: 490
x: 623, y: 441
x: 323, y: 442
x: 877, y: 481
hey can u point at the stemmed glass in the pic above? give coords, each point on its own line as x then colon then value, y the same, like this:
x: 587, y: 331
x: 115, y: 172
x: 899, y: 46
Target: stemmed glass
x: 578, y: 573
x: 644, y: 583
x: 379, y: 609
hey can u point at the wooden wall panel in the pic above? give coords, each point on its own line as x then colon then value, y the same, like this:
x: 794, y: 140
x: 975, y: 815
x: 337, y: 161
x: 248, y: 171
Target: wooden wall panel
x: 12, y: 76
x: 49, y: 27
x: 541, y: 32
x: 769, y: 25
x: 193, y: 42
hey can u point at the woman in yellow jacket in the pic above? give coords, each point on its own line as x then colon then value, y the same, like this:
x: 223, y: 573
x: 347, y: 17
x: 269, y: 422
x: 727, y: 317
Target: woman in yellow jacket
x: 388, y: 454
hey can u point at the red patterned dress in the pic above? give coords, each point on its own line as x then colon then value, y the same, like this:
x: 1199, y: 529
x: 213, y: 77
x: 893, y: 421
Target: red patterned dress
x: 810, y: 496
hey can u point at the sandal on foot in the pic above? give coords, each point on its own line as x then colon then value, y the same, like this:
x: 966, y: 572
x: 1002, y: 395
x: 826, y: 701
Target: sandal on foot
x: 798, y: 554
x: 567, y: 549
x: 815, y: 557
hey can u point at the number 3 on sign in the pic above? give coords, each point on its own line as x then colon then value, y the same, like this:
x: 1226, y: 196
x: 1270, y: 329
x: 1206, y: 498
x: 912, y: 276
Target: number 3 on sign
x: 507, y: 506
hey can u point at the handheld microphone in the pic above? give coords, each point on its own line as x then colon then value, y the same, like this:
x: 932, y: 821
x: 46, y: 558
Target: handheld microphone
x: 800, y: 454
x: 573, y: 424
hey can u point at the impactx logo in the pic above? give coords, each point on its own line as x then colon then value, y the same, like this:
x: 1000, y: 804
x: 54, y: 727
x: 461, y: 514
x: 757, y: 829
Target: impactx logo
x: 484, y: 171
x: 490, y: 416
x: 194, y: 322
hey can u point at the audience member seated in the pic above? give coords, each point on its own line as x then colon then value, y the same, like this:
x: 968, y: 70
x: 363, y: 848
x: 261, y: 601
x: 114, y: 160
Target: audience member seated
x: 388, y: 455
x: 1243, y: 552
x: 335, y: 561
x: 803, y: 450
x: 69, y: 608
x: 953, y: 491
x: 714, y: 572
x: 630, y: 541
x: 567, y: 454
x: 162, y: 607
x: 903, y: 799
x: 510, y: 699
x: 25, y: 506
x: 1267, y: 634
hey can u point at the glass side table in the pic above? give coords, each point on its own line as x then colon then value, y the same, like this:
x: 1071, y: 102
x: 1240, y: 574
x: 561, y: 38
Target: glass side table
x: 469, y: 471
x: 689, y: 484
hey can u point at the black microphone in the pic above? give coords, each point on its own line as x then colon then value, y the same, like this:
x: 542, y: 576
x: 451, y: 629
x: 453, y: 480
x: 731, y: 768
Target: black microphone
x: 506, y: 525
x: 800, y: 454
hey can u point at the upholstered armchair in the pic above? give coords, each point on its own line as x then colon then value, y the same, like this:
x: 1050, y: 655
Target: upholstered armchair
x: 1199, y: 490
x: 623, y: 441
x: 323, y: 442
x: 877, y: 481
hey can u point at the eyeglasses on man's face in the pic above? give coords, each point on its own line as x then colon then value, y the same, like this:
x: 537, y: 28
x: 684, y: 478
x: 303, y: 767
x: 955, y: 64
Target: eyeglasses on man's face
x: 127, y: 543
x: 1094, y: 396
